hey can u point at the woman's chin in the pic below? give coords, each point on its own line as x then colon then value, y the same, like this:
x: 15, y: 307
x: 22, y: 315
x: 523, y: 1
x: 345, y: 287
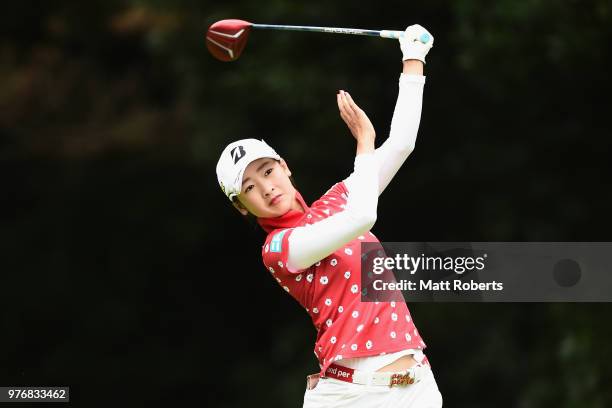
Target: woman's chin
x: 281, y: 208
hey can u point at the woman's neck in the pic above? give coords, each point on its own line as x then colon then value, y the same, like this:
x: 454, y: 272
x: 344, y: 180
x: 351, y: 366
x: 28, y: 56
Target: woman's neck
x: 297, y: 206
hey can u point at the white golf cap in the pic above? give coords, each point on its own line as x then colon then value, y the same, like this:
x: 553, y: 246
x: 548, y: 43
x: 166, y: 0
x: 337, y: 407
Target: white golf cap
x: 234, y: 161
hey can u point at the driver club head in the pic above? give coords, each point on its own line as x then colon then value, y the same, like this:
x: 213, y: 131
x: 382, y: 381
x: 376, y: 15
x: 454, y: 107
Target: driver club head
x: 226, y: 39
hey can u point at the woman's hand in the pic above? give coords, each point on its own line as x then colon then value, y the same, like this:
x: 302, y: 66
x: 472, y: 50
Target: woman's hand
x: 358, y: 123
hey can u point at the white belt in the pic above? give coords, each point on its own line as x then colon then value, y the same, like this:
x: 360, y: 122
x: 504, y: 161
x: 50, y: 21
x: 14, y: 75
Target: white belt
x: 409, y: 376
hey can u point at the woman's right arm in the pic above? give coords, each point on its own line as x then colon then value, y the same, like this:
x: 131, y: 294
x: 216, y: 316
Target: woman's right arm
x: 373, y: 169
x: 310, y: 244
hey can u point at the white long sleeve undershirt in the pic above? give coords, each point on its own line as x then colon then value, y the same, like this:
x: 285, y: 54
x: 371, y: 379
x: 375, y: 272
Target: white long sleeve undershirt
x: 404, y: 128
x: 371, y: 175
x: 308, y: 245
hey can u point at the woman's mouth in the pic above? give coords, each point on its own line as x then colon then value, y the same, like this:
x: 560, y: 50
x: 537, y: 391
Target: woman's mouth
x: 276, y: 199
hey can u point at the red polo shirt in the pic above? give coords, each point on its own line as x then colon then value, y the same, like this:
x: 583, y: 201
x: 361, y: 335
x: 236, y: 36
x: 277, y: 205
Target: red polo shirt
x: 330, y: 290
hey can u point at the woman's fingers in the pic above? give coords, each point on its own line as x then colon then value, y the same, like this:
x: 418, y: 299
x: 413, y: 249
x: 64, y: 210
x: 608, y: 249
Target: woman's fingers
x: 351, y: 106
x: 345, y: 111
x: 344, y: 117
x: 350, y: 113
x: 354, y: 117
x: 346, y: 104
x: 342, y: 108
x: 341, y: 103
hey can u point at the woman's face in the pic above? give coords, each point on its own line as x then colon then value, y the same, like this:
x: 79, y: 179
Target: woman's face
x: 266, y: 189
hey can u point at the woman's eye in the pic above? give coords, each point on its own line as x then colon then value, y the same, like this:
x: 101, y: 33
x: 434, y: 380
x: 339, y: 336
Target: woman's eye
x: 249, y: 188
x: 268, y: 171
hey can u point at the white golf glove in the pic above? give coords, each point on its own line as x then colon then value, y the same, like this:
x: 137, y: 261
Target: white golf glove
x: 415, y: 43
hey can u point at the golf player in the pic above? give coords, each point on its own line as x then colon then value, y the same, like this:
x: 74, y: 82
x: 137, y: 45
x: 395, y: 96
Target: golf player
x: 370, y: 353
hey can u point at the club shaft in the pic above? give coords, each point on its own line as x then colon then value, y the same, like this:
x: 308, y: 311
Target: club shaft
x: 334, y: 30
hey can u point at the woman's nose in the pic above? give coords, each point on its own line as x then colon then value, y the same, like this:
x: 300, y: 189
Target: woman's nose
x: 269, y: 190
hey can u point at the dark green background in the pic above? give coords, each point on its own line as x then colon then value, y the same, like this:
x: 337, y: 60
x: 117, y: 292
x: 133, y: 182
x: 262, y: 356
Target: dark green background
x: 125, y: 273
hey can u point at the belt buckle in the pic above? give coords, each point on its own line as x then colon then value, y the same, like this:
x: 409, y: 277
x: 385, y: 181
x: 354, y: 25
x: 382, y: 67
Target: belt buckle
x: 401, y: 380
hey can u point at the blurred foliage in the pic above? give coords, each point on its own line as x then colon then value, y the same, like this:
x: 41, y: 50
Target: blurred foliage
x: 120, y: 255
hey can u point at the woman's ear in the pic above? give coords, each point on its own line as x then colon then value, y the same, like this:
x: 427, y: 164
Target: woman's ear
x: 283, y: 164
x: 241, y: 208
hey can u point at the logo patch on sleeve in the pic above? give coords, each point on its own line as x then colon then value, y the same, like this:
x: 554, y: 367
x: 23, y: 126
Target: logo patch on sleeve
x: 276, y: 244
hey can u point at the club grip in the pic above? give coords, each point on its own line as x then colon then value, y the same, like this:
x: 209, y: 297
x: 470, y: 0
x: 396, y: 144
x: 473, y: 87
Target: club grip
x: 397, y: 34
x: 391, y: 34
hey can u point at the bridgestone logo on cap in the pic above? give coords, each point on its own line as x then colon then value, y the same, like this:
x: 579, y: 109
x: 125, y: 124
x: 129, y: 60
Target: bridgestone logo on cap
x: 237, y: 153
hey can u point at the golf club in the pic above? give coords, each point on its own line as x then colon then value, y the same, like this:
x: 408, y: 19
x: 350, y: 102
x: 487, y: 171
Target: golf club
x: 226, y: 39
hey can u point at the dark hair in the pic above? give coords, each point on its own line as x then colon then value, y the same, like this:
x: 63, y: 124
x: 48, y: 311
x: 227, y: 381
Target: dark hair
x: 249, y: 218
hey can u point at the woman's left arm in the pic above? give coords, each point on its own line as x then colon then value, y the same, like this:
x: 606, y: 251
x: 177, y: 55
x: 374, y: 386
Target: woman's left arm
x: 415, y: 44
x: 404, y: 126
x: 390, y: 156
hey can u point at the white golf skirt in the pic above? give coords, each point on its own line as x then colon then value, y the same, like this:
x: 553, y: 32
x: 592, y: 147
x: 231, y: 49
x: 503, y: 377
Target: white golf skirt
x: 332, y: 393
